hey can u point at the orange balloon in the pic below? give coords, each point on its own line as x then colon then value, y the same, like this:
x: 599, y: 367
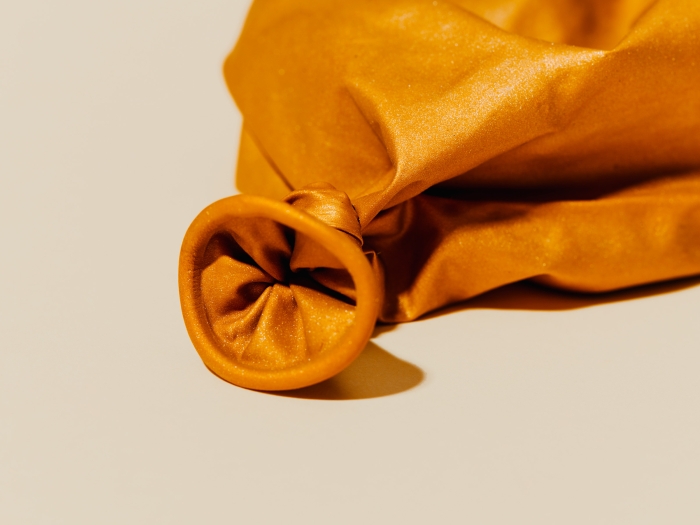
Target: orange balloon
x: 428, y: 151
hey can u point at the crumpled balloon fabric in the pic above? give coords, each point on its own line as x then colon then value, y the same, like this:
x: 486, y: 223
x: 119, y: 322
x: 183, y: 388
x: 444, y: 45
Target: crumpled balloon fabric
x: 401, y: 155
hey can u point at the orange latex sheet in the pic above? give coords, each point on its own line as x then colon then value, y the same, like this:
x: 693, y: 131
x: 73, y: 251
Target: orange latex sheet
x: 401, y: 155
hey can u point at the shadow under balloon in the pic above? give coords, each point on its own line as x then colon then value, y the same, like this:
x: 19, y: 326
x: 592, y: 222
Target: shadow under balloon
x: 375, y: 373
x: 530, y: 296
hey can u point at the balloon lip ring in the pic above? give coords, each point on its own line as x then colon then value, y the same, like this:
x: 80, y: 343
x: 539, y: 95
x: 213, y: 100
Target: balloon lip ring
x: 212, y: 220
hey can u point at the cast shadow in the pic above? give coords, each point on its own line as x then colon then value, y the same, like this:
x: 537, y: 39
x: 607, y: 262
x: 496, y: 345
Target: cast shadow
x: 530, y: 296
x: 375, y: 373
x: 526, y: 295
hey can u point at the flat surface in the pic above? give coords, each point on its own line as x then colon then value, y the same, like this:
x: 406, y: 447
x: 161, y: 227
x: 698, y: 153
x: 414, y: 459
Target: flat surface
x: 523, y: 407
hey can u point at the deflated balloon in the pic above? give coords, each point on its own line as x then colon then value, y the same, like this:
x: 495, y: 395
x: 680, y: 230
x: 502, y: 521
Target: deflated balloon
x: 402, y: 155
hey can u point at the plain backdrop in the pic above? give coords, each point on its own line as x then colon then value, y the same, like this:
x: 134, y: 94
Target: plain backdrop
x: 522, y: 407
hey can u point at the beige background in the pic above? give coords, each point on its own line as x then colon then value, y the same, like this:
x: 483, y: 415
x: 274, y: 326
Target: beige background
x: 522, y: 408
